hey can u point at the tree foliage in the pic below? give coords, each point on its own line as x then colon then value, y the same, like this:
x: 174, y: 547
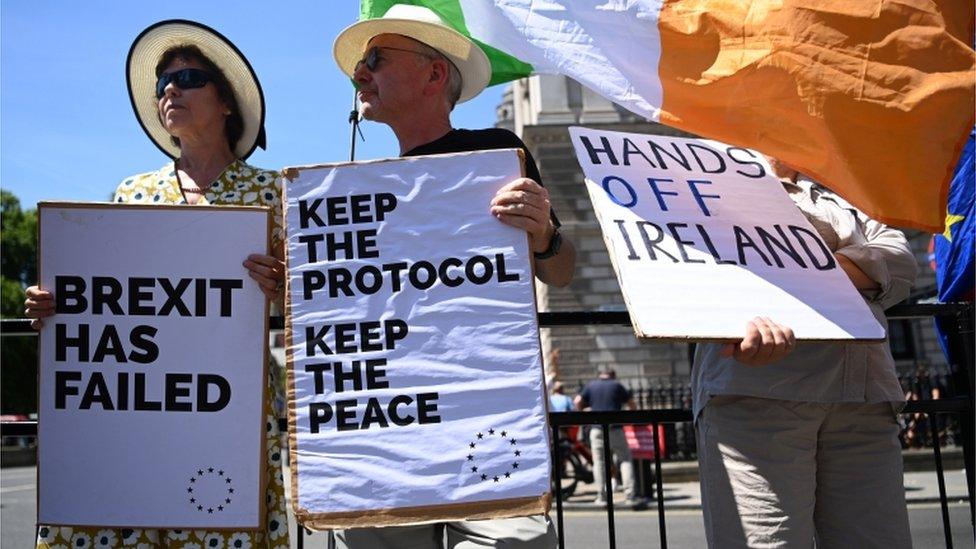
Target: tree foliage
x: 18, y: 268
x: 18, y: 236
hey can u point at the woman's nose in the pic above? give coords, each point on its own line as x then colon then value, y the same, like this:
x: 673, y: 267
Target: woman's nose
x: 171, y: 90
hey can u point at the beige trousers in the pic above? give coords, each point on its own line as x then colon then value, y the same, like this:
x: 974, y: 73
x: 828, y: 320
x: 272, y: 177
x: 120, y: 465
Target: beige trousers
x: 535, y: 532
x: 778, y: 473
x: 620, y: 453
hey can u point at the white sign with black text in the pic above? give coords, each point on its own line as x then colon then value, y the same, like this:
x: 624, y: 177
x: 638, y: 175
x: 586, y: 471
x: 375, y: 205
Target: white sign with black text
x: 153, y: 368
x: 416, y: 385
x: 704, y: 238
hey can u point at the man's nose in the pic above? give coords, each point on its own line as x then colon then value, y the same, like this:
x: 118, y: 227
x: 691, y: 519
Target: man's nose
x: 361, y: 73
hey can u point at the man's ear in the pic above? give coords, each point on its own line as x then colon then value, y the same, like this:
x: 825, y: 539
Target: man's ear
x: 437, y: 77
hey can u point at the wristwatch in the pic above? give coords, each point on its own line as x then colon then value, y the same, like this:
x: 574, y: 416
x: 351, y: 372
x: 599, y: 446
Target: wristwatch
x: 555, y: 242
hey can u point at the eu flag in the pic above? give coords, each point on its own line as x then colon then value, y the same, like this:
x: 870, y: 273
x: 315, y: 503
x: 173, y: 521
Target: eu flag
x: 954, y: 252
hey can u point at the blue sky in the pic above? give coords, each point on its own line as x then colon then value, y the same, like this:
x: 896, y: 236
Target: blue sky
x: 67, y: 131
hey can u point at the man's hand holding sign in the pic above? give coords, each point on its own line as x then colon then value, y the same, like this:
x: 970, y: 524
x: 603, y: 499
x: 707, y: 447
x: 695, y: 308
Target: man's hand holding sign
x: 765, y: 342
x: 524, y: 204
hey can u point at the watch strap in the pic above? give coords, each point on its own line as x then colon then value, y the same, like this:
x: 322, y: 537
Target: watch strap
x: 555, y: 242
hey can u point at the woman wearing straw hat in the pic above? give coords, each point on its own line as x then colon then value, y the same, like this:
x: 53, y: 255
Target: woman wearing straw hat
x: 199, y: 101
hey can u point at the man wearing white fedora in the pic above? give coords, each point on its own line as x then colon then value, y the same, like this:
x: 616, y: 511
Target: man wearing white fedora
x: 410, y: 69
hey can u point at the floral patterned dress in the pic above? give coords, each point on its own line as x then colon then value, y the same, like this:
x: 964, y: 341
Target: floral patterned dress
x: 239, y: 185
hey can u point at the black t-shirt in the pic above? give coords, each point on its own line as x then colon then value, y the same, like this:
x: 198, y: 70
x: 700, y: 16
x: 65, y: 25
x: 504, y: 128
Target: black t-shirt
x: 605, y: 395
x: 483, y: 140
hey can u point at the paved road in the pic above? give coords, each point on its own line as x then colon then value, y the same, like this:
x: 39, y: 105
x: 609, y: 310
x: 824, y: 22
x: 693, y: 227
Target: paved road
x: 920, y: 487
x: 588, y: 530
x: 18, y: 497
x: 584, y: 529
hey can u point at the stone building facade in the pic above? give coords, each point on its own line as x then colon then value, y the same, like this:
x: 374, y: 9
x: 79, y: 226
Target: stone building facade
x: 540, y: 109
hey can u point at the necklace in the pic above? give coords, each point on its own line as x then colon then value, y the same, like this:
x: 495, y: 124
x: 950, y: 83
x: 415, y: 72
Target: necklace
x: 194, y: 190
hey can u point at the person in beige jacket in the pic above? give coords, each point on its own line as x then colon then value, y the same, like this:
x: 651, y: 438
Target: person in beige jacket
x: 798, y: 442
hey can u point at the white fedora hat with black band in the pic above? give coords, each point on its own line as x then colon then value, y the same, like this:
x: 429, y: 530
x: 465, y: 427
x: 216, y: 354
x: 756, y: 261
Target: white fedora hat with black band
x: 423, y: 25
x: 140, y: 72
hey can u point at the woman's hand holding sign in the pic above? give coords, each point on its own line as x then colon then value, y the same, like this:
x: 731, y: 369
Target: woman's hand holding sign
x: 765, y: 342
x: 38, y: 305
x: 268, y: 272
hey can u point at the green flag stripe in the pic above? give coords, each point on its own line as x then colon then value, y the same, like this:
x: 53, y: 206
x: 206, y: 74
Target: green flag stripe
x: 504, y: 67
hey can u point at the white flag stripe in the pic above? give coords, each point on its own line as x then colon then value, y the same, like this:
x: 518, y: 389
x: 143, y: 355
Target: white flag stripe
x: 612, y: 47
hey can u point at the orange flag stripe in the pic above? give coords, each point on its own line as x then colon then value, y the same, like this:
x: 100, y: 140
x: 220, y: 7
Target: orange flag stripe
x: 872, y: 98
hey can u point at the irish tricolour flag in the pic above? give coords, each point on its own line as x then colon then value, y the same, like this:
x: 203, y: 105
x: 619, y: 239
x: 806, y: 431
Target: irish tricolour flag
x: 874, y: 98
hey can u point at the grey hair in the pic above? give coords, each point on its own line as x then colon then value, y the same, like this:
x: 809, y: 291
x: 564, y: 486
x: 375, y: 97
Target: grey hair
x: 454, y: 82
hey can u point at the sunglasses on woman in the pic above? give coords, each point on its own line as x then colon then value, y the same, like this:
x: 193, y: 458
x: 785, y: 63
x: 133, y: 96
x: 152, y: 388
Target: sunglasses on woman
x: 183, y: 79
x: 372, y: 58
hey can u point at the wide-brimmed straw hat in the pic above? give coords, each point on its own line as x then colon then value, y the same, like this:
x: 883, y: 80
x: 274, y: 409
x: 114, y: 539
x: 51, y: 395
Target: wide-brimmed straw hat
x: 140, y: 71
x: 423, y: 25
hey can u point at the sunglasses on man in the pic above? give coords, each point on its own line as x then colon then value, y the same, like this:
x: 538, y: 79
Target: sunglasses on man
x: 372, y: 58
x: 183, y: 79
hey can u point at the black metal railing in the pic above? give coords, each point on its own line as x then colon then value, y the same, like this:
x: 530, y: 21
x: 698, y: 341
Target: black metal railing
x: 958, y: 386
x: 604, y: 420
x: 674, y: 392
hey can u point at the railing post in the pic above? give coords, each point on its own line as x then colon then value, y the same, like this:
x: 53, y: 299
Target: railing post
x: 940, y: 475
x: 558, y: 467
x: 961, y: 340
x: 608, y: 483
x: 659, y: 482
